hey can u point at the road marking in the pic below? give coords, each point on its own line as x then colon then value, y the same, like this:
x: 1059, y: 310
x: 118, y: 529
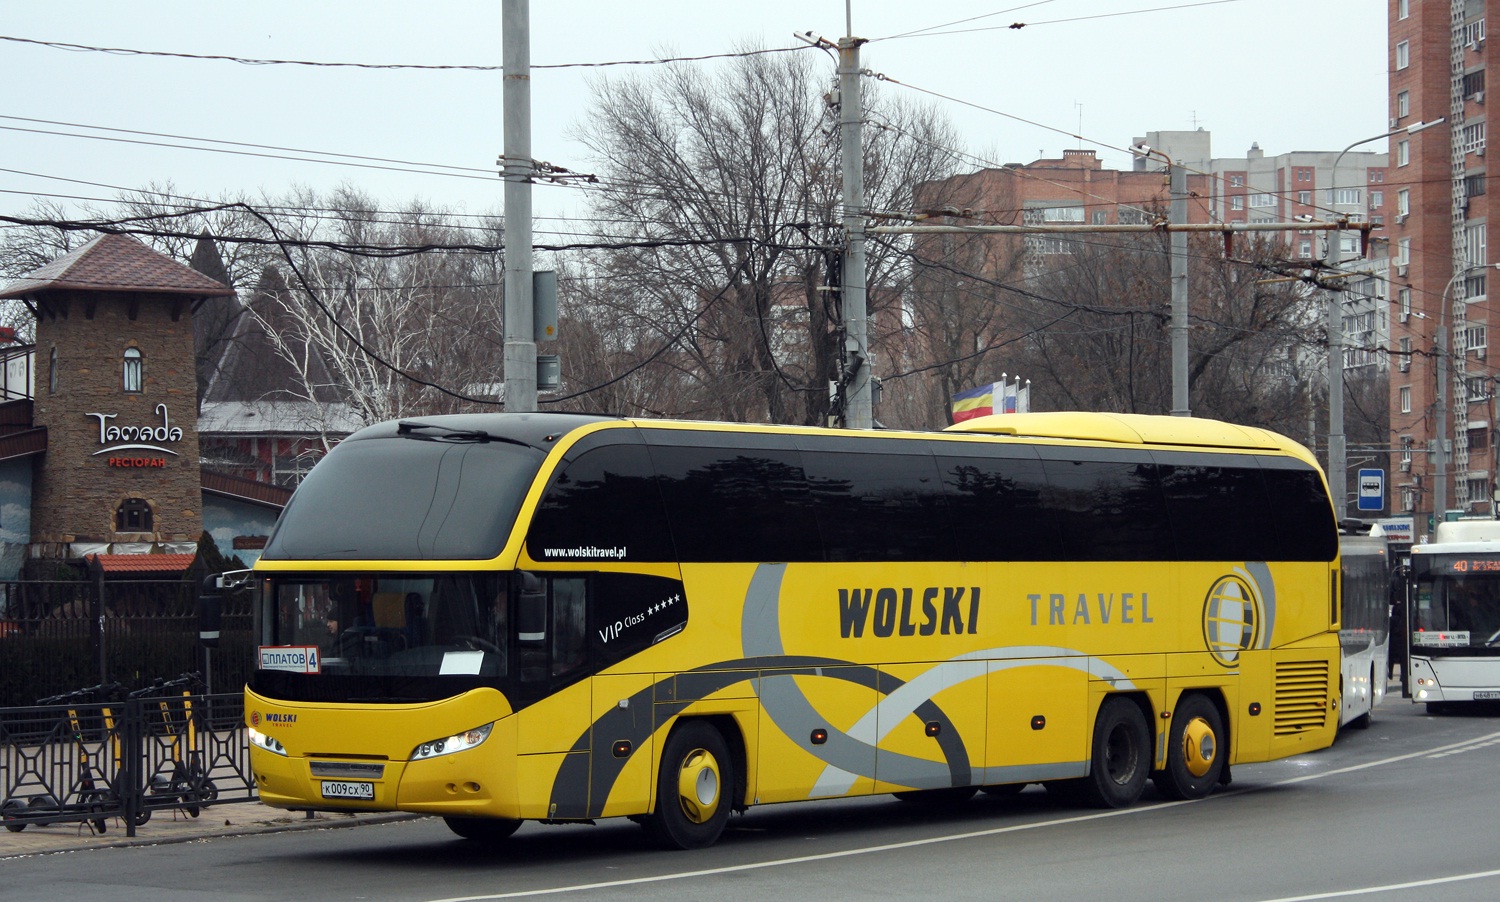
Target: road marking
x: 1015, y: 828
x: 1389, y: 887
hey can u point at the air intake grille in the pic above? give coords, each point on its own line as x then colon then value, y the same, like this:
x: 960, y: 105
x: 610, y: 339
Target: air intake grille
x: 1301, y: 696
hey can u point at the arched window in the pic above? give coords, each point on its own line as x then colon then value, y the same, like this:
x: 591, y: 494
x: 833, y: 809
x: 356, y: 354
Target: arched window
x: 52, y: 373
x: 133, y: 369
x: 134, y: 515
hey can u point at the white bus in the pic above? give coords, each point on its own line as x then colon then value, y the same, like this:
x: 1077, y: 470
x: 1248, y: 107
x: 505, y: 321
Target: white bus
x: 1453, y: 617
x: 1365, y: 624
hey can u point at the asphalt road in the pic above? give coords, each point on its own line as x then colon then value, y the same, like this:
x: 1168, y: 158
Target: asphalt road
x: 1404, y: 810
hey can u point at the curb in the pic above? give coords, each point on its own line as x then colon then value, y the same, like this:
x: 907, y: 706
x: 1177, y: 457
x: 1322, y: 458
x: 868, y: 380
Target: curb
x: 208, y: 826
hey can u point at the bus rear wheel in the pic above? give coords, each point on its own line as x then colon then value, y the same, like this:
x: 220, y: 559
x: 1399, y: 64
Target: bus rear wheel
x: 1121, y: 758
x: 693, y: 789
x: 482, y: 829
x: 1195, y: 752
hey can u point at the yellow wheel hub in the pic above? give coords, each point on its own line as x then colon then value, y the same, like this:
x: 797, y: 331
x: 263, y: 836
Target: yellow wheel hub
x: 698, y: 785
x: 1199, y: 746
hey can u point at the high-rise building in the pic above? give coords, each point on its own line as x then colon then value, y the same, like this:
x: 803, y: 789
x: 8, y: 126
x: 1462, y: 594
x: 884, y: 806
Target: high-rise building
x: 1442, y: 383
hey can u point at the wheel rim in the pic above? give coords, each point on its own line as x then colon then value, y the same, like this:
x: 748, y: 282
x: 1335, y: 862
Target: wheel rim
x: 1120, y: 758
x: 1199, y: 747
x: 698, y: 786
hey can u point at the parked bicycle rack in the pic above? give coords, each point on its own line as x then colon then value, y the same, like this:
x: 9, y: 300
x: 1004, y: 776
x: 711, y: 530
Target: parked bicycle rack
x: 101, y: 753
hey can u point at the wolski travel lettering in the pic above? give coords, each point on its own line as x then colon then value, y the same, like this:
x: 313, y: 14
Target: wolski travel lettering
x: 942, y: 610
x: 1084, y: 608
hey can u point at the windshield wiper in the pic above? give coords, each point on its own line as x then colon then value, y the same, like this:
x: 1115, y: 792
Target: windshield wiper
x: 478, y: 436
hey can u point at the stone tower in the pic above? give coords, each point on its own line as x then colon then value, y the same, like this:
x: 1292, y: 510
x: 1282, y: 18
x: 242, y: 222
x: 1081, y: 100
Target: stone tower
x: 117, y: 394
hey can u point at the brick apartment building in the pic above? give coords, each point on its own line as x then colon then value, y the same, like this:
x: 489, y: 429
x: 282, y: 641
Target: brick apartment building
x: 1256, y: 188
x: 1439, y: 239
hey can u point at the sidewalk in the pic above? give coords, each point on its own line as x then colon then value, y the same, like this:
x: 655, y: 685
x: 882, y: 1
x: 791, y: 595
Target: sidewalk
x: 174, y: 826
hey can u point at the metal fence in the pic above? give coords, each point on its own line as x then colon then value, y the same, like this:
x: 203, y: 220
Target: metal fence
x: 58, y: 635
x: 101, y: 762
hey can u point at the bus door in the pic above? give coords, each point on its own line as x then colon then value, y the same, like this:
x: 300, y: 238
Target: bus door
x: 549, y: 613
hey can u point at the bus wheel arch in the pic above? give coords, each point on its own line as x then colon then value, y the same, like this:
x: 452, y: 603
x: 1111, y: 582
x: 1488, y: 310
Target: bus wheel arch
x: 697, y: 782
x: 1121, y: 753
x: 1197, y: 748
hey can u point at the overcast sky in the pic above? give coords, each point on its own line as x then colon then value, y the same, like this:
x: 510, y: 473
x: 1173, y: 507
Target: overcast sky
x: 1288, y: 74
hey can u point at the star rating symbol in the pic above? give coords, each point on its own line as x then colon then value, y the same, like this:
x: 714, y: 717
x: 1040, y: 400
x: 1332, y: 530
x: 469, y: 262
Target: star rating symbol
x: 664, y: 604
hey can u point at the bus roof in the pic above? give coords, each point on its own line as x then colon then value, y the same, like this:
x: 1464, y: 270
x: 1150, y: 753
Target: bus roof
x: 1132, y: 429
x: 542, y: 429
x: 1462, y: 537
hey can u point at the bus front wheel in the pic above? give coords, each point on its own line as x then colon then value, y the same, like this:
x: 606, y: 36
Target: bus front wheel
x: 1195, y: 750
x: 693, y: 790
x: 1121, y: 758
x: 482, y: 829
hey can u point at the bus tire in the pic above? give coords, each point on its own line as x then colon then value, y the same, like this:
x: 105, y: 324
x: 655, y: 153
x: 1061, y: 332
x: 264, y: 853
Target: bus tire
x: 693, y: 789
x: 1362, y: 722
x: 1195, y: 750
x: 482, y: 829
x: 1121, y: 758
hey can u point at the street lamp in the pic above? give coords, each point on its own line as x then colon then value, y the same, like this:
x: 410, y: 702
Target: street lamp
x: 1338, y: 474
x: 1440, y: 468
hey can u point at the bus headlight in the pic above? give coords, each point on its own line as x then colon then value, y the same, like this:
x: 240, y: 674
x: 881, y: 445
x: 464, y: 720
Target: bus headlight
x: 269, y: 743
x: 449, y: 744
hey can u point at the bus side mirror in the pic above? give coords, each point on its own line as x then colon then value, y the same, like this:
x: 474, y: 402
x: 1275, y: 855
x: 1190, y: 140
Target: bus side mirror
x: 531, y: 610
x: 210, y: 610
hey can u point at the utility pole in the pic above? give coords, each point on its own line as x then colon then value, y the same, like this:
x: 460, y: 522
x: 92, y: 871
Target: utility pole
x: 1177, y: 216
x: 520, y: 339
x: 1338, y: 467
x: 1177, y: 185
x: 858, y: 407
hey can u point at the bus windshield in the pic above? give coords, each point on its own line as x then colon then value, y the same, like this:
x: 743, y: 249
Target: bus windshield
x: 406, y: 497
x: 390, y: 635
x: 1457, y: 611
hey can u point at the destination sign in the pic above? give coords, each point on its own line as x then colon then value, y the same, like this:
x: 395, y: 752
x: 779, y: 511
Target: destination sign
x: 1464, y: 564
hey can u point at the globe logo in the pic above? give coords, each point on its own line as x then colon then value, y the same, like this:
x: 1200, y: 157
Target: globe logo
x: 1231, y: 619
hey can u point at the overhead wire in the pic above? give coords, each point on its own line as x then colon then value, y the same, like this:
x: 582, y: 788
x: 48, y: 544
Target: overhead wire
x: 605, y: 188
x: 252, y: 61
x: 1017, y: 26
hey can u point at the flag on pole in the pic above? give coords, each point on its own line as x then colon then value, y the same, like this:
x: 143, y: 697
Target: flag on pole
x: 1023, y: 397
x: 1008, y: 393
x: 974, y: 402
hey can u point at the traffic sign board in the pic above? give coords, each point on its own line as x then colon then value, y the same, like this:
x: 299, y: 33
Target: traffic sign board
x: 1371, y: 490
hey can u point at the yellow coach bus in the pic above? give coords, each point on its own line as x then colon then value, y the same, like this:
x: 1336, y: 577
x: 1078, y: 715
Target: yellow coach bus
x: 496, y: 618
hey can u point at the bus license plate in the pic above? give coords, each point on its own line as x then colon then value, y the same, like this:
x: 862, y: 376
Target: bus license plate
x: 1483, y: 696
x: 348, y: 789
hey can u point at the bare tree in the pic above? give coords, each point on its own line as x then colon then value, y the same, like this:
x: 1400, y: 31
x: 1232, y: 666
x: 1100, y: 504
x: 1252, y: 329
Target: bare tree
x: 393, y: 307
x: 27, y: 248
x: 1096, y: 335
x: 967, y: 300
x: 723, y: 188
